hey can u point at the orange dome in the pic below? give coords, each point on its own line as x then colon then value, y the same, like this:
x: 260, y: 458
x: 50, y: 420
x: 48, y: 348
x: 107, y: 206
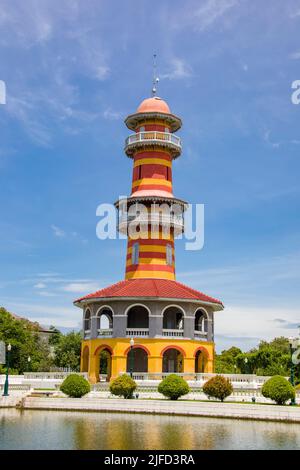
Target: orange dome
x: 154, y: 105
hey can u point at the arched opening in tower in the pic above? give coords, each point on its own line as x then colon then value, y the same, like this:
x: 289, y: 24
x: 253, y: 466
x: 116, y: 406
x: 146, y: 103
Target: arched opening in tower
x: 104, y: 320
x: 172, y: 361
x: 201, y: 321
x: 105, y: 364
x: 137, y: 360
x: 138, y: 317
x: 200, y: 362
x: 173, y: 319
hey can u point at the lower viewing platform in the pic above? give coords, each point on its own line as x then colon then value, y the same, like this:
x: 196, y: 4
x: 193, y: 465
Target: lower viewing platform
x: 146, y: 358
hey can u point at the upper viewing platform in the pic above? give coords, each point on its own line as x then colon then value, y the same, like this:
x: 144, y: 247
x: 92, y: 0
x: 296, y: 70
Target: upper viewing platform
x: 143, y: 139
x: 156, y: 110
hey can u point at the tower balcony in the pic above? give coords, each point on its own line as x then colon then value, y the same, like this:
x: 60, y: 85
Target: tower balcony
x: 145, y: 139
x: 155, y: 219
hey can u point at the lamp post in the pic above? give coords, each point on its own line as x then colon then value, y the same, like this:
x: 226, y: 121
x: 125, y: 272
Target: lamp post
x: 294, y: 344
x: 29, y: 361
x: 246, y: 362
x: 5, y: 391
x: 131, y: 357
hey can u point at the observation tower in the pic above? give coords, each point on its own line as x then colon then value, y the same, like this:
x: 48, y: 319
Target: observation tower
x: 149, y: 324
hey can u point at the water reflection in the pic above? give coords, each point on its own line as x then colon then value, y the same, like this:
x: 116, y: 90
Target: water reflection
x: 75, y: 430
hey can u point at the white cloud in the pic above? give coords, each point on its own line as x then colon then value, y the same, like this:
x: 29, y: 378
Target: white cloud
x: 81, y: 287
x: 40, y: 285
x: 203, y: 17
x: 179, y: 69
x: 102, y: 72
x: 250, y: 283
x: 47, y: 294
x: 58, y: 232
x: 210, y: 11
x: 295, y: 55
x: 111, y: 115
x: 257, y: 322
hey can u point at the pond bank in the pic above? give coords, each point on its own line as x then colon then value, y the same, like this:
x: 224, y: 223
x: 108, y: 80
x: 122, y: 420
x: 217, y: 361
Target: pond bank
x: 179, y: 408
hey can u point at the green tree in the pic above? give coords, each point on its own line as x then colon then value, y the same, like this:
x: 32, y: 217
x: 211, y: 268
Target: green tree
x: 218, y: 387
x: 75, y: 386
x: 55, y: 336
x: 278, y: 389
x: 226, y: 361
x: 173, y: 387
x: 25, y: 341
x: 67, y: 351
x: 123, y: 386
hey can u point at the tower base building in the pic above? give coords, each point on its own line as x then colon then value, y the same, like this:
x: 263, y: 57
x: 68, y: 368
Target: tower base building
x: 149, y: 324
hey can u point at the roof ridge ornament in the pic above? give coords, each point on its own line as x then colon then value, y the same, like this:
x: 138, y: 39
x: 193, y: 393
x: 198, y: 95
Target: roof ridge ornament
x: 155, y: 77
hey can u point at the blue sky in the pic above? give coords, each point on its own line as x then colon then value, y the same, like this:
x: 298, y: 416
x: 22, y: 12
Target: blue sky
x: 73, y: 71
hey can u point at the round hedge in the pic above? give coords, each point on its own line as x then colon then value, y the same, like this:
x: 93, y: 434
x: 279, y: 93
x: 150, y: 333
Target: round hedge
x: 123, y: 386
x: 278, y: 389
x: 173, y: 387
x: 75, y: 386
x: 218, y: 387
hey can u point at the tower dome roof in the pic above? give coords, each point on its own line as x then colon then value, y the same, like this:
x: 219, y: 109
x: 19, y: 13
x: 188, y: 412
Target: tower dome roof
x: 154, y: 105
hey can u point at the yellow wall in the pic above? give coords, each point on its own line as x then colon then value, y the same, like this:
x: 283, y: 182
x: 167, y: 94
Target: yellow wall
x: 119, y: 347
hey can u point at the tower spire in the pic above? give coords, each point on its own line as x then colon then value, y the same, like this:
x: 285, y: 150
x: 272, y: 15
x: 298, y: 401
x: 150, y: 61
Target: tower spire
x: 155, y: 77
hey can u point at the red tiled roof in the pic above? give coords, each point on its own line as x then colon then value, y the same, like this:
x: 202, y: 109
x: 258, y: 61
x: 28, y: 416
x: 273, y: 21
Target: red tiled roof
x: 162, y: 288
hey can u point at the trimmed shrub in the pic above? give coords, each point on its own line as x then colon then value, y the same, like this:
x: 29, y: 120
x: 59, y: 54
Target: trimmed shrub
x: 218, y: 387
x: 278, y: 389
x: 123, y: 386
x: 173, y: 387
x: 75, y: 386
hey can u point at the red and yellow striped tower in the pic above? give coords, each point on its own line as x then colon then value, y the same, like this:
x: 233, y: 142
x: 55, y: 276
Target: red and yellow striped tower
x: 149, y: 324
x: 153, y: 148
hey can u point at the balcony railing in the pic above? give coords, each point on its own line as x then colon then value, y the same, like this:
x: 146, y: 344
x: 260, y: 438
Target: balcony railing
x: 172, y: 220
x: 200, y: 334
x: 140, y: 332
x: 167, y: 332
x: 107, y: 332
x: 153, y: 137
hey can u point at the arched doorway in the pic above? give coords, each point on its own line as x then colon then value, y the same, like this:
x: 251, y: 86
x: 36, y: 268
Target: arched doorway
x: 200, y: 361
x: 172, y: 361
x: 137, y: 360
x: 105, y: 364
x: 85, y: 359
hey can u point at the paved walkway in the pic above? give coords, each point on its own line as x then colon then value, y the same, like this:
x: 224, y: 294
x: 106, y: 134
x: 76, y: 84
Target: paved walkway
x: 11, y: 401
x: 192, y: 408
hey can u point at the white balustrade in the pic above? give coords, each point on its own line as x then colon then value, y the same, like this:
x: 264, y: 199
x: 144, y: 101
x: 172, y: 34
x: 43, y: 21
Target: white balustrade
x: 154, y: 136
x: 140, y: 332
x: 200, y: 334
x: 168, y: 332
x: 105, y: 332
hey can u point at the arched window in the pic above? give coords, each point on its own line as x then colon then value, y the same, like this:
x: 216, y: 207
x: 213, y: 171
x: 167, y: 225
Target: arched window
x: 135, y: 253
x: 138, y: 317
x: 87, y: 320
x: 173, y: 319
x: 104, y: 319
x: 201, y: 321
x: 169, y: 255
